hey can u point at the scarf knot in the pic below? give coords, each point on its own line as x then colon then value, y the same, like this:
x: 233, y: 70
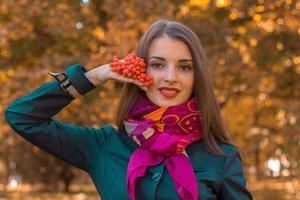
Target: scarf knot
x: 163, y: 133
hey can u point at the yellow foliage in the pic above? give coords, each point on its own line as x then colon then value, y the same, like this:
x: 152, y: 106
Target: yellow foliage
x: 233, y: 15
x: 10, y: 73
x: 267, y: 25
x: 102, y: 94
x: 253, y: 42
x: 288, y: 2
x: 281, y: 115
x: 200, y: 3
x: 2, y: 77
x: 296, y: 60
x: 260, y: 8
x: 184, y: 10
x: 221, y: 61
x: 279, y: 21
x: 278, y: 139
x: 99, y: 33
x: 241, y: 29
x: 277, y: 69
x: 3, y: 8
x: 245, y: 57
x: 5, y: 53
x: 222, y: 3
x: 268, y: 83
x: 279, y: 46
x: 257, y: 17
x: 62, y: 6
x: 297, y: 6
x: 239, y: 114
x: 233, y: 44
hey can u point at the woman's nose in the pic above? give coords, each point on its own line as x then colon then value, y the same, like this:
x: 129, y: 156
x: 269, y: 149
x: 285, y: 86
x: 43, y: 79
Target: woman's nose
x: 170, y: 75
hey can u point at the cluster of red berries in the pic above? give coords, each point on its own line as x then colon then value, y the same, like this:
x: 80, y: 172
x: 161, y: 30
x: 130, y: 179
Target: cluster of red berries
x: 133, y: 67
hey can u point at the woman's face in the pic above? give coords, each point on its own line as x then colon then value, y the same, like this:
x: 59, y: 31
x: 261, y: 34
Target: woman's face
x: 170, y: 63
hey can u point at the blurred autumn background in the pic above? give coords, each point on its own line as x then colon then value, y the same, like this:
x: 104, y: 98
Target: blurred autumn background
x: 253, y: 47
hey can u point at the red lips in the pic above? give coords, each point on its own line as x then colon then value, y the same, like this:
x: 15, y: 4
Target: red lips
x: 166, y: 92
x: 169, y: 88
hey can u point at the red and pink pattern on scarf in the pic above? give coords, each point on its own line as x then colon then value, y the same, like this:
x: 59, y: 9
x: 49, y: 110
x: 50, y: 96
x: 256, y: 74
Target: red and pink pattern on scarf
x: 163, y: 133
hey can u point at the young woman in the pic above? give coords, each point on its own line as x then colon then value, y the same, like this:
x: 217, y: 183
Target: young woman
x: 170, y: 142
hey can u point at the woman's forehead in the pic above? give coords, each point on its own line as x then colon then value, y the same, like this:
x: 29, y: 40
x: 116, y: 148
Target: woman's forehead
x: 164, y: 59
x: 169, y: 48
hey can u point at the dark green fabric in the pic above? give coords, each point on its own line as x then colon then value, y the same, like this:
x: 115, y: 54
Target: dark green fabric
x: 104, y: 152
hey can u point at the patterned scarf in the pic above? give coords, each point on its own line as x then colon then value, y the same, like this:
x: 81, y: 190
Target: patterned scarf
x: 163, y: 133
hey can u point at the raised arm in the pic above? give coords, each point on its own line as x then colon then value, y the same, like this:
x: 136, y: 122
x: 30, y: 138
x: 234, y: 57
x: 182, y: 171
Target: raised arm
x: 30, y: 117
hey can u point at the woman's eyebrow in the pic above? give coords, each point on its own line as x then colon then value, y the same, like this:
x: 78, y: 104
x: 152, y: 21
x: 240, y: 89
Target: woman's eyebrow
x: 163, y: 59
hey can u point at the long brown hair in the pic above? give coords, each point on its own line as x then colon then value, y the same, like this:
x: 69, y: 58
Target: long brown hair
x: 213, y: 129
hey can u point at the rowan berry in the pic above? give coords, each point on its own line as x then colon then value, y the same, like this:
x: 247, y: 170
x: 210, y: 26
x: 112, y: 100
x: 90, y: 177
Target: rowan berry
x: 133, y: 67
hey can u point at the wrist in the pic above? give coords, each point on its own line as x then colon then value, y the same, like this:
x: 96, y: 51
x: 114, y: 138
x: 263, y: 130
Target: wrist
x: 90, y: 75
x: 97, y: 76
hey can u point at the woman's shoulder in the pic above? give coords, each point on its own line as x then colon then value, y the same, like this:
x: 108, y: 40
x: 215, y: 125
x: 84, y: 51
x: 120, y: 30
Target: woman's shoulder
x: 103, y: 133
x: 114, y: 136
x: 225, y: 147
x: 203, y: 158
x: 109, y: 128
x: 229, y: 148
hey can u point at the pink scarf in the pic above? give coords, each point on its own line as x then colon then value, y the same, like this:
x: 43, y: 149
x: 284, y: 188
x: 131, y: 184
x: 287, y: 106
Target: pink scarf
x: 163, y: 133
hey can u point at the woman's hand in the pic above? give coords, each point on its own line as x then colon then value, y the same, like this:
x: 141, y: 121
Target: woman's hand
x: 102, y: 74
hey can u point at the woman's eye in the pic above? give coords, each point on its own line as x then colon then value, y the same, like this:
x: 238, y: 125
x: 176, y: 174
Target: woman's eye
x: 186, y: 67
x: 156, y: 65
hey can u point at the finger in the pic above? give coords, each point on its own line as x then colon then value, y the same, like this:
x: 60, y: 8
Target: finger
x: 141, y: 85
x: 138, y: 83
x: 145, y: 88
x: 124, y: 79
x: 129, y: 80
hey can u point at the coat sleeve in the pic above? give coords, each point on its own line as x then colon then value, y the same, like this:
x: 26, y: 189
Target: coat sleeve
x: 234, y: 185
x: 30, y: 116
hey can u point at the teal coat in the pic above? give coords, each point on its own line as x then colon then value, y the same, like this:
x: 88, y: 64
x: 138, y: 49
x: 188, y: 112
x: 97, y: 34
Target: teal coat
x: 104, y: 152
